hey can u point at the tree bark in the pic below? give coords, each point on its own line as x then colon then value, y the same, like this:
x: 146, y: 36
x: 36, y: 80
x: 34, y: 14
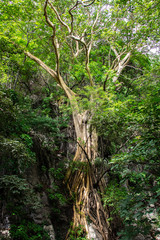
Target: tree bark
x: 88, y: 209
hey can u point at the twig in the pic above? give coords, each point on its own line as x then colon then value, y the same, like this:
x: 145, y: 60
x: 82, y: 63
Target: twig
x: 87, y: 5
x: 70, y: 12
x: 134, y: 67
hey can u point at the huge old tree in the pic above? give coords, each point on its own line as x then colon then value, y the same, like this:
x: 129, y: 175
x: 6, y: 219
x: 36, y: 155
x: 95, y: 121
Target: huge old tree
x: 77, y: 29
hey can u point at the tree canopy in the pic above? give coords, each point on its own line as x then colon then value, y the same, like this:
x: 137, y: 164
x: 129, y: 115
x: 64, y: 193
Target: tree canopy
x: 92, y: 66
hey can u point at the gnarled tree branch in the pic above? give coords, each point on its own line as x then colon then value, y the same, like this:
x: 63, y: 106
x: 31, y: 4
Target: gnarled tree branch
x: 54, y: 40
x: 58, y: 16
x: 43, y: 65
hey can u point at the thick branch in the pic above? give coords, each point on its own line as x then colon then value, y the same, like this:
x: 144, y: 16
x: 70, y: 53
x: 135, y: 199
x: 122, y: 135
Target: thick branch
x: 44, y: 66
x: 87, y: 66
x: 118, y: 67
x: 71, y: 9
x: 78, y: 51
x: 70, y: 12
x: 56, y: 48
x: 116, y: 53
x: 70, y: 31
x: 118, y: 56
x: 58, y: 16
x: 54, y: 40
x: 121, y: 65
x: 125, y: 60
x: 70, y: 94
x: 46, y: 17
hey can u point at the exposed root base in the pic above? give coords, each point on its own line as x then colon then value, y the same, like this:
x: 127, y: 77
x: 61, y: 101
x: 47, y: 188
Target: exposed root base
x: 88, y: 209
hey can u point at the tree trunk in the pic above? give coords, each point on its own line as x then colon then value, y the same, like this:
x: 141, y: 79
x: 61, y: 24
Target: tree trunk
x: 88, y: 209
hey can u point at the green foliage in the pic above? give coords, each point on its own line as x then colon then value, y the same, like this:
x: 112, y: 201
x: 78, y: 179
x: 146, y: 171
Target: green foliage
x: 134, y: 161
x: 56, y: 196
x: 28, y: 137
x: 7, y: 112
x: 113, y: 195
x: 15, y: 157
x: 77, y: 233
x: 84, y: 166
x: 28, y: 231
x: 17, y: 193
x: 54, y: 193
x: 57, y: 173
x: 17, y: 154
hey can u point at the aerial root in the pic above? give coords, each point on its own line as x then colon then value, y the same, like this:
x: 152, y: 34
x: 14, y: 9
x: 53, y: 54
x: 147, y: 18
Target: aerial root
x: 87, y: 206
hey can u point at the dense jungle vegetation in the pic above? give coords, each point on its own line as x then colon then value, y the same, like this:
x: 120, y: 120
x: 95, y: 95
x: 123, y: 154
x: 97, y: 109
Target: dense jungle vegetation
x: 79, y: 119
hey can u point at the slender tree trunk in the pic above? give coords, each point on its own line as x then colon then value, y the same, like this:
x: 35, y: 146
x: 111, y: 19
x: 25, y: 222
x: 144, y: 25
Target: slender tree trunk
x: 88, y: 208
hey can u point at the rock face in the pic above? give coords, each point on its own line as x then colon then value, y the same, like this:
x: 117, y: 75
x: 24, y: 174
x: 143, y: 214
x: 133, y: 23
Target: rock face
x: 50, y: 231
x: 93, y: 234
x: 4, y: 234
x: 141, y: 237
x: 52, y: 212
x: 4, y: 226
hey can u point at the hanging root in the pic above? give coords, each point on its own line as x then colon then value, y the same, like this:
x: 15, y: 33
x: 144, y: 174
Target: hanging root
x: 87, y: 207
